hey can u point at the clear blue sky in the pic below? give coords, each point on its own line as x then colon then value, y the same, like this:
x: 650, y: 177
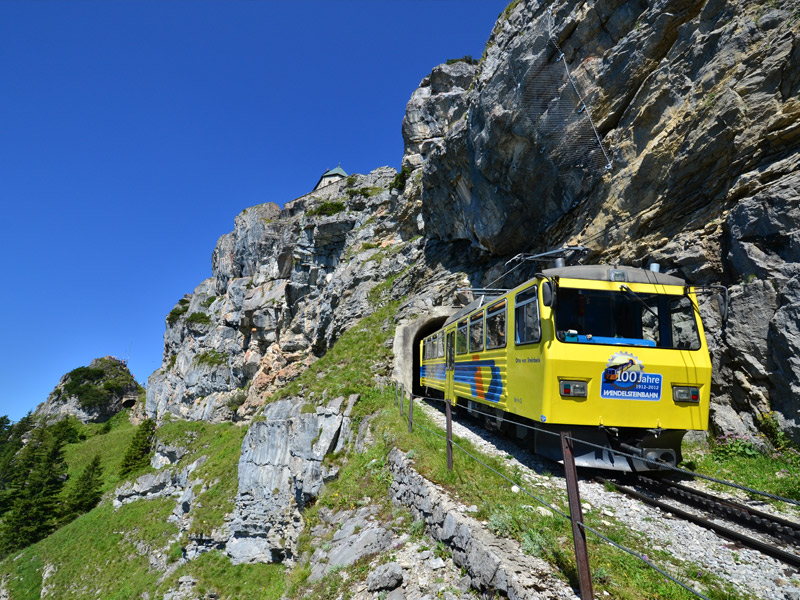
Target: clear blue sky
x: 132, y: 133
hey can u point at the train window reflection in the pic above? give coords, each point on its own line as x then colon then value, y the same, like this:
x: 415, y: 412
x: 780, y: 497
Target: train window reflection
x: 527, y: 329
x: 461, y: 337
x: 476, y: 332
x: 684, y: 325
x: 496, y: 325
x: 626, y: 318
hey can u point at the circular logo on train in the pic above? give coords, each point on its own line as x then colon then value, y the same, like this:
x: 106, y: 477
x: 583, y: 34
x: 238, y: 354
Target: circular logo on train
x: 623, y: 370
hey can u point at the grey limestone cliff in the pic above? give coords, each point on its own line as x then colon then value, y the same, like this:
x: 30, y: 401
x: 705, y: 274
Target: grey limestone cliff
x: 285, y: 284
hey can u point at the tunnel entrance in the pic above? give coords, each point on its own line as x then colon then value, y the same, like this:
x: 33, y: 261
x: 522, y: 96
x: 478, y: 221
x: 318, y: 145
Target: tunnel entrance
x: 406, y: 346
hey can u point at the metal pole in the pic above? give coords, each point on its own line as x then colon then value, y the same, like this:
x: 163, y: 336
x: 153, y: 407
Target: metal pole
x: 576, y: 516
x: 395, y: 393
x: 449, y: 435
x: 410, y: 412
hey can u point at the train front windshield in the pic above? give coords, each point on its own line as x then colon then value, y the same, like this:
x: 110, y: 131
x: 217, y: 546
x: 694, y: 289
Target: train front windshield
x: 626, y: 318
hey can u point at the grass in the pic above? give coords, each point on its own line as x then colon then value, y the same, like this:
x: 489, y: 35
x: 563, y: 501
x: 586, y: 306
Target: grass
x: 221, y: 444
x: 378, y: 293
x: 96, y: 554
x: 215, y: 575
x: 739, y: 459
x: 110, y: 440
x: 366, y: 192
x: 105, y: 553
x: 343, y: 368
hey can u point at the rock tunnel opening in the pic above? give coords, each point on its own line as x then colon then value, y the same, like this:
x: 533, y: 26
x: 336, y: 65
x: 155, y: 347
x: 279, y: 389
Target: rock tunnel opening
x: 406, y: 347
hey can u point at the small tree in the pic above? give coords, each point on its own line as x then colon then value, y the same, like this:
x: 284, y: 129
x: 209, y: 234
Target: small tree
x: 35, y: 488
x: 138, y: 453
x: 85, y: 493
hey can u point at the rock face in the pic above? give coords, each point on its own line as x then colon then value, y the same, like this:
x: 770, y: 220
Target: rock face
x: 281, y: 470
x: 436, y: 105
x: 697, y: 107
x: 92, y: 394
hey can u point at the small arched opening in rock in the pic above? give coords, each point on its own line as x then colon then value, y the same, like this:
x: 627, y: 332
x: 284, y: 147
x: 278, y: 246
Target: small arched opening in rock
x: 406, y: 347
x: 128, y: 402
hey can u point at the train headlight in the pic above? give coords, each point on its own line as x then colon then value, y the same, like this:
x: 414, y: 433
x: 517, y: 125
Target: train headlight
x: 573, y: 389
x: 682, y: 393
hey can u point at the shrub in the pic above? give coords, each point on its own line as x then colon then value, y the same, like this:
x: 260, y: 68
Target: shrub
x: 198, y: 318
x: 96, y: 386
x: 327, y: 208
x: 237, y: 400
x: 177, y: 312
x: 399, y: 181
x: 366, y: 192
x: 467, y: 58
x: 730, y: 445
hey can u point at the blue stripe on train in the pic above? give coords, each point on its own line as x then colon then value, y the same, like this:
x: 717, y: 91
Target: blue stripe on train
x: 466, y: 373
x: 432, y: 372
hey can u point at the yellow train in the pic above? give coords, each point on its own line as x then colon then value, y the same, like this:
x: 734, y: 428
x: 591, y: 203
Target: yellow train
x: 617, y: 355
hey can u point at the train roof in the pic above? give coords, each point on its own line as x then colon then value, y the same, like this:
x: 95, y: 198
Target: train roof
x: 590, y: 272
x: 461, y: 313
x: 611, y: 273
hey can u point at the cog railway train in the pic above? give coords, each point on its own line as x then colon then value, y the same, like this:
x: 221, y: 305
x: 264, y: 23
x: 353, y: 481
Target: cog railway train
x: 616, y: 355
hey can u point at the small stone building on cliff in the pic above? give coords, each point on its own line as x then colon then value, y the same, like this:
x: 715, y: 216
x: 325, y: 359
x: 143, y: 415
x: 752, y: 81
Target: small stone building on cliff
x: 330, y: 176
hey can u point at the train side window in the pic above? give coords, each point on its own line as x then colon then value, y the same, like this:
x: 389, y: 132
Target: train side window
x: 684, y: 327
x: 476, y: 332
x: 528, y: 329
x: 440, y: 345
x: 461, y: 337
x: 496, y: 325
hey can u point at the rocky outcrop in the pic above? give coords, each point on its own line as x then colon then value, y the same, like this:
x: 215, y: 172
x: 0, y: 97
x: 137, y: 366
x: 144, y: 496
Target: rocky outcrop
x: 353, y: 535
x: 281, y: 470
x: 285, y: 284
x: 436, y: 105
x: 92, y: 394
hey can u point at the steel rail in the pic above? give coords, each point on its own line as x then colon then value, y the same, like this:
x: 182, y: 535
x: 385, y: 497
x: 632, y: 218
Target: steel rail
x: 783, y: 529
x: 745, y: 540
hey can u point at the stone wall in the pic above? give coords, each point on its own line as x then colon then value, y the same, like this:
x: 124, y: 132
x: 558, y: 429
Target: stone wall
x: 493, y: 563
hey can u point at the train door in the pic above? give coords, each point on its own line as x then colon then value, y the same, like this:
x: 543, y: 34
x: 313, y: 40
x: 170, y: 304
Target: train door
x: 450, y: 364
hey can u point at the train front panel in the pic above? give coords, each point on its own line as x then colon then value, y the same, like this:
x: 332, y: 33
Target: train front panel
x: 631, y: 355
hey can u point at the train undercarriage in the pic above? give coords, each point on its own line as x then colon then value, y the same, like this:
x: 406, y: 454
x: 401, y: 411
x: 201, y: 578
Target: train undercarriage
x: 609, y: 448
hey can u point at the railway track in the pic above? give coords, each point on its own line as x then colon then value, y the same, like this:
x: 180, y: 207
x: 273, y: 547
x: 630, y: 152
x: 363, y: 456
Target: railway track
x: 778, y: 529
